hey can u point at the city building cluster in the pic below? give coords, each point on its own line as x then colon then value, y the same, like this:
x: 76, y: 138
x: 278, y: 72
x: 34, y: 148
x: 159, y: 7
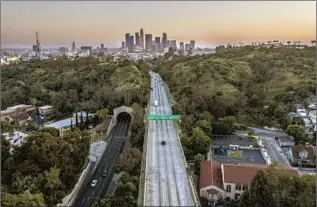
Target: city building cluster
x: 141, y: 42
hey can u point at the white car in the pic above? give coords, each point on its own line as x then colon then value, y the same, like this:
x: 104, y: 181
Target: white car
x: 93, y: 183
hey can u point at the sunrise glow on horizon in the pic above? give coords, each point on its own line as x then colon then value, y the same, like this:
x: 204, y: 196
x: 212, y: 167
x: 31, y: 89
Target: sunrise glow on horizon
x: 209, y: 23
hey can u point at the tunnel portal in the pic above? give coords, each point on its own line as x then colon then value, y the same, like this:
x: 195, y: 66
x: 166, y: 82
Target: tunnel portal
x: 124, y: 116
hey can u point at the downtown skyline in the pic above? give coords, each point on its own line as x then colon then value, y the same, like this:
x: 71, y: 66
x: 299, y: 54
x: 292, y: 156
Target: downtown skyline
x: 209, y: 23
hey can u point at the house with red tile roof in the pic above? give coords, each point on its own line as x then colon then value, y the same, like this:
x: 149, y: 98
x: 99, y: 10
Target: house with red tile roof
x: 227, y: 181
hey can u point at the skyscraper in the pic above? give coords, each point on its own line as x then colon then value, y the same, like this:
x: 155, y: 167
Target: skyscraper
x: 158, y: 43
x: 127, y: 35
x: 192, y: 44
x: 148, y: 42
x: 131, y: 42
x: 73, y: 47
x: 181, y: 46
x: 173, y: 44
x: 102, y: 47
x: 187, y: 46
x: 168, y: 43
x: 137, y: 38
x: 164, y: 39
x: 122, y: 44
x: 142, y: 38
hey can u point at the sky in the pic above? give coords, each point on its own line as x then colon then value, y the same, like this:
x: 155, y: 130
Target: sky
x: 59, y: 23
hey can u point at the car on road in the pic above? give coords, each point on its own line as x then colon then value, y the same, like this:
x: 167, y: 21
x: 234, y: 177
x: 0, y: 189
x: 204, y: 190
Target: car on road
x: 163, y: 143
x: 104, y: 173
x: 93, y: 183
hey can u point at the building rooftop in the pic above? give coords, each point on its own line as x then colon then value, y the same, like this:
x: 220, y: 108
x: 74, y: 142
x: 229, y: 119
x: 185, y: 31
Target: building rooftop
x: 298, y: 148
x: 65, y: 123
x: 210, y: 174
x: 248, y: 156
x: 241, y: 173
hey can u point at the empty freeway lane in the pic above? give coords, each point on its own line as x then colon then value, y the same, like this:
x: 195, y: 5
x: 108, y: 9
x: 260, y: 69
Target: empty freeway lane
x: 166, y: 179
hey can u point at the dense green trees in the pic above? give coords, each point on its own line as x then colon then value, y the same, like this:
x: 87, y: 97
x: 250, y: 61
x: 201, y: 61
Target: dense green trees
x: 275, y: 187
x: 224, y: 126
x: 256, y: 85
x: 129, y: 161
x: 137, y: 126
x: 44, y: 169
x: 298, y: 132
x: 86, y: 83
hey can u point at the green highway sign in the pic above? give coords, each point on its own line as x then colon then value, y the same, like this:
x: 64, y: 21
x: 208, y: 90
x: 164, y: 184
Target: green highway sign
x: 164, y: 117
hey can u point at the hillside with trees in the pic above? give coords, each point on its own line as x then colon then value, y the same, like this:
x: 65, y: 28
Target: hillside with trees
x: 46, y: 167
x: 86, y: 83
x: 247, y: 85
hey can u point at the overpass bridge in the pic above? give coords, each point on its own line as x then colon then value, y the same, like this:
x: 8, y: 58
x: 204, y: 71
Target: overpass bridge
x: 164, y: 177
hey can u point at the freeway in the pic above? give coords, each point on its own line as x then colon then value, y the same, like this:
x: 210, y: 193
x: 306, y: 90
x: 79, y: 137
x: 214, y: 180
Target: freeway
x: 87, y: 195
x: 166, y: 179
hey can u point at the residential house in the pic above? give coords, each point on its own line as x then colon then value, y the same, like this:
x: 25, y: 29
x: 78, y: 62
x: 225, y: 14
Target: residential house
x: 303, y: 155
x: 20, y: 117
x: 45, y: 110
x: 227, y: 181
x: 15, y: 109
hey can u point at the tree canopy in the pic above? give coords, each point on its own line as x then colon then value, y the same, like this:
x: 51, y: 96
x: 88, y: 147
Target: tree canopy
x: 44, y: 169
x: 86, y: 83
x: 276, y: 187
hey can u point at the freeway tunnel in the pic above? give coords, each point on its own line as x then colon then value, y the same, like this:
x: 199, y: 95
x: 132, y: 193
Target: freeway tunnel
x: 124, y: 116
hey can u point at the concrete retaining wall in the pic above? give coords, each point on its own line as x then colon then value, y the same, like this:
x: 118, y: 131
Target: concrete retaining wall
x: 112, y: 123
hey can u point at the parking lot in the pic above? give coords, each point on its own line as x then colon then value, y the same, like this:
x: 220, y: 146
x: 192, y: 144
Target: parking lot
x: 233, y: 140
x: 248, y: 157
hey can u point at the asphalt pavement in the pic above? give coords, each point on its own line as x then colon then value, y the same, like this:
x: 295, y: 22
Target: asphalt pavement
x: 167, y: 182
x: 274, y: 151
x: 87, y: 195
